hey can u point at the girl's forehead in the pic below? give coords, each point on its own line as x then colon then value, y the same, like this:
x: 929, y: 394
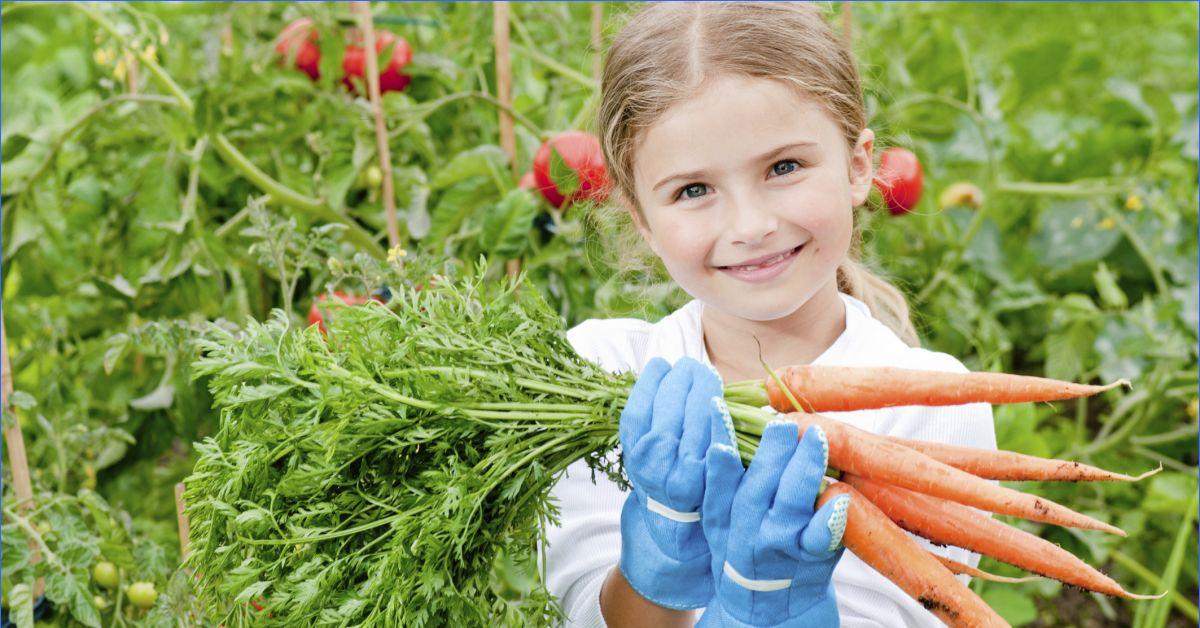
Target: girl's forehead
x: 730, y: 119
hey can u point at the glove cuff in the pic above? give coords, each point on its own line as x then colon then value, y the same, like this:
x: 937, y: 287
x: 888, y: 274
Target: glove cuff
x: 665, y: 580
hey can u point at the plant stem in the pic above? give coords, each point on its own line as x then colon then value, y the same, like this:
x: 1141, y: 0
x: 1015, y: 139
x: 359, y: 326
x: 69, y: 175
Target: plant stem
x: 287, y: 196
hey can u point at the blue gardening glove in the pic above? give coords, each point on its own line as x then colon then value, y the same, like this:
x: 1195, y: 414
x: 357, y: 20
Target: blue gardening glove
x: 773, y: 557
x: 665, y: 432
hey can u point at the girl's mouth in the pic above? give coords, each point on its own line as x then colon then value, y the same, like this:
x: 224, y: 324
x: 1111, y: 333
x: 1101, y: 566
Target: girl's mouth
x: 765, y: 270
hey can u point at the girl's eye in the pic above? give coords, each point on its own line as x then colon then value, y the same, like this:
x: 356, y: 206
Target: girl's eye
x: 695, y: 190
x: 787, y: 166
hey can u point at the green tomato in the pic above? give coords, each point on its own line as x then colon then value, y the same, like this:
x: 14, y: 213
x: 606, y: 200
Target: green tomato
x: 142, y: 594
x: 105, y: 574
x: 44, y: 528
x: 374, y: 176
x: 99, y: 601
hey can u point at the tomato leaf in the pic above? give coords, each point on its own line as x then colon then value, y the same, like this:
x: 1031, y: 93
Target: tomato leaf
x: 505, y: 229
x: 69, y: 590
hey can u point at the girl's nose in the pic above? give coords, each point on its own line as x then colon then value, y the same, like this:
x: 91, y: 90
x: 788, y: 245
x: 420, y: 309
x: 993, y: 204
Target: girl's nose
x: 750, y: 219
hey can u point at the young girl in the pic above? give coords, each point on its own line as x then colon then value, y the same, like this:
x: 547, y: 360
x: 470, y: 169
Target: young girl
x: 735, y: 135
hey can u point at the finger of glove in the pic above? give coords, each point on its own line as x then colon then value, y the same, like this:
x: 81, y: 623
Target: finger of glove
x: 639, y: 408
x: 801, y: 480
x: 651, y: 461
x: 723, y: 473
x: 671, y: 399
x: 697, y: 431
x: 757, y: 488
x: 821, y: 539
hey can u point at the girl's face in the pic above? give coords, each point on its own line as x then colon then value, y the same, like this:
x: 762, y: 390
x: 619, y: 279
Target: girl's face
x: 747, y: 192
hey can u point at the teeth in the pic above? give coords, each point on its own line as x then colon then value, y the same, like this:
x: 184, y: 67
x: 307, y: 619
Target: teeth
x: 766, y: 263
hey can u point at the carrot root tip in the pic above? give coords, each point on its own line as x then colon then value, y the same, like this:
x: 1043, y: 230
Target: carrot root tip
x: 1137, y: 596
x: 1148, y: 473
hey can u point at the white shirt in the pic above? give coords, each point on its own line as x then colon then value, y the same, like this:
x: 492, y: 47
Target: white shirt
x: 586, y: 545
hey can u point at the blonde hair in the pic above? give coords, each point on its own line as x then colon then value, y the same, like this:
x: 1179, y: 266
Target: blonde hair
x: 666, y: 51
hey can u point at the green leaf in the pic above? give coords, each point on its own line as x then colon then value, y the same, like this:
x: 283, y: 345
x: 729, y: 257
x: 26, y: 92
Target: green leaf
x: 22, y: 400
x: 1072, y: 232
x: 118, y: 345
x: 70, y: 590
x: 1068, y: 350
x: 1014, y: 606
x: 13, y: 145
x: 565, y: 179
x: 157, y: 399
x: 21, y: 598
x: 1106, y: 284
x: 481, y: 161
x: 1169, y: 493
x: 505, y: 229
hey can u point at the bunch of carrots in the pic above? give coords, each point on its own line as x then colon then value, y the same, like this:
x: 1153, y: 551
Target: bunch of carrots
x: 931, y: 489
x: 403, y: 453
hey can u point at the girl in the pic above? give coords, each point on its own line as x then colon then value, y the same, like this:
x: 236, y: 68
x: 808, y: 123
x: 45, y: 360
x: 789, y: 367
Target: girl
x: 735, y: 135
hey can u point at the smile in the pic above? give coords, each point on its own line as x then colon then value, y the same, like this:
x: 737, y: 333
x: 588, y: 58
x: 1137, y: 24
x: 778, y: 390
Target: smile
x: 763, y: 270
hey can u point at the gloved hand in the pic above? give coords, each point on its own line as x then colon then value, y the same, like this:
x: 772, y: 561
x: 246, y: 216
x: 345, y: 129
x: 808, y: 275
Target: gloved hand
x: 773, y: 558
x: 665, y: 431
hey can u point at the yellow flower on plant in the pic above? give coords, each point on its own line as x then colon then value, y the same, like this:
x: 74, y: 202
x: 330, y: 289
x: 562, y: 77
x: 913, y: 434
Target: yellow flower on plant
x: 1134, y: 203
x: 1108, y: 223
x: 150, y: 53
x: 119, y: 71
x: 1077, y: 222
x: 395, y: 253
x: 102, y: 56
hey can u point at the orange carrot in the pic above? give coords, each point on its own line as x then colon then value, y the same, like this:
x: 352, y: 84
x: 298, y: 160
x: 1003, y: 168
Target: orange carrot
x: 878, y: 458
x: 886, y: 548
x: 844, y: 388
x: 994, y: 464
x: 958, y: 568
x: 945, y: 522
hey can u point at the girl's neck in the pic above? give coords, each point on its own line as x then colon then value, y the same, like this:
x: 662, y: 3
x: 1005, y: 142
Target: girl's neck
x: 798, y: 338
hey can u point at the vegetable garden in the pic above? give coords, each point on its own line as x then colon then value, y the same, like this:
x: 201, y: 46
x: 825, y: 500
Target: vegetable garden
x: 299, y: 327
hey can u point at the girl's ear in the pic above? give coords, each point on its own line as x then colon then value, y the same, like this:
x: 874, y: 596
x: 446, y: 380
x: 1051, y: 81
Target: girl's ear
x: 862, y: 167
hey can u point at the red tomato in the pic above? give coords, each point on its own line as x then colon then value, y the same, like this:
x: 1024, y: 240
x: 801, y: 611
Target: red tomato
x: 899, y: 179
x: 354, y: 62
x: 528, y: 181
x: 582, y: 154
x: 299, y: 38
x: 317, y: 317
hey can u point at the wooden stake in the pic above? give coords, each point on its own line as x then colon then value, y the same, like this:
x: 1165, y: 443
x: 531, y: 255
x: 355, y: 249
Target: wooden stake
x: 847, y: 23
x: 18, y: 462
x: 185, y: 528
x: 597, y: 40
x: 366, y: 24
x: 500, y: 30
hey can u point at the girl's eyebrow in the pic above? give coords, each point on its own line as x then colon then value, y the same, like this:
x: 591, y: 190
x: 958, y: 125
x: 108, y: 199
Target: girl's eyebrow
x: 771, y: 154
